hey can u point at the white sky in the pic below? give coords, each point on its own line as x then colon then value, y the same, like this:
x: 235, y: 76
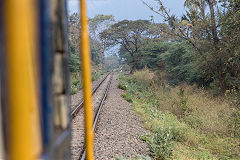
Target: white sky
x: 125, y: 9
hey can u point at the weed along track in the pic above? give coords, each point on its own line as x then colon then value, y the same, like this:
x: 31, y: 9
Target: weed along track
x: 99, y: 95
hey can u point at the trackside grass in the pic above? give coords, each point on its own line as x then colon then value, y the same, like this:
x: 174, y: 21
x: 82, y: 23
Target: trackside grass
x: 76, y: 80
x: 186, y: 122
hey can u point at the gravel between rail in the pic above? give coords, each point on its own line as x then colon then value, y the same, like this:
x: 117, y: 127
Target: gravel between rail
x: 118, y: 129
x: 75, y: 99
x: 78, y: 122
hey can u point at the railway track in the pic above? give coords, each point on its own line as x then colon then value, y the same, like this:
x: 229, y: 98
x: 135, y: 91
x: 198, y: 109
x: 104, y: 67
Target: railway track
x: 80, y: 105
x: 78, y: 144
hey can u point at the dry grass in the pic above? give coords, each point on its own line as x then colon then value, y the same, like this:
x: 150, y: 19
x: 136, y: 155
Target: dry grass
x: 212, y: 113
x: 200, y: 120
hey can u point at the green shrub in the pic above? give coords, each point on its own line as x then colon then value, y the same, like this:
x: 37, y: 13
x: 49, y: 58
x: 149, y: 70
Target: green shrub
x: 234, y: 124
x: 183, y: 106
x: 234, y: 120
x: 127, y: 97
x: 95, y: 75
x: 76, y: 82
x: 122, y: 86
x: 73, y: 91
x: 215, y: 88
x: 76, y: 85
x: 144, y: 78
x: 193, y: 121
x: 161, y: 144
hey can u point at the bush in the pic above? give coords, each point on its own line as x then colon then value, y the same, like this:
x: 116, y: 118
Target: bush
x: 179, y: 64
x: 127, y: 97
x: 144, y: 77
x: 122, y: 86
x: 161, y: 144
x: 95, y: 75
x: 75, y: 86
x: 234, y: 121
x: 76, y: 82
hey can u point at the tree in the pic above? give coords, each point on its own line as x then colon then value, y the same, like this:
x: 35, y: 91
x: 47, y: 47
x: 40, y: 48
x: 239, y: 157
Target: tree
x: 205, y: 32
x: 152, y: 55
x: 73, y: 42
x: 74, y: 29
x: 132, y: 36
x: 180, y: 66
x: 98, y: 24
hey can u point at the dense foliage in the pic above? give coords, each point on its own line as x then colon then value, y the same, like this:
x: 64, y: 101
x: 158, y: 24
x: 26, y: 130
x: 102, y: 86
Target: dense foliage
x: 132, y: 36
x: 212, y: 28
x: 73, y: 42
x: 201, y: 47
x: 180, y: 65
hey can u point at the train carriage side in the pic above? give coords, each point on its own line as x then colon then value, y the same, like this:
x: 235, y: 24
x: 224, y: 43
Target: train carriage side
x: 37, y: 32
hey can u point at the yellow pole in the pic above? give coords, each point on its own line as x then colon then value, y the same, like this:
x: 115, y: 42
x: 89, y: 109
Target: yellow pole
x: 21, y: 68
x: 86, y: 73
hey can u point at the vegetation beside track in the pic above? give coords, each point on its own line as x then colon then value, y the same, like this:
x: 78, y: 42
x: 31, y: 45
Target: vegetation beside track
x: 186, y: 122
x: 76, y: 80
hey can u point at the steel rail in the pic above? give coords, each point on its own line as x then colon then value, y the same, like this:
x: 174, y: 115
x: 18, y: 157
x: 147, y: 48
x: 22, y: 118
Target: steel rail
x: 96, y: 117
x: 74, y: 112
x: 80, y: 105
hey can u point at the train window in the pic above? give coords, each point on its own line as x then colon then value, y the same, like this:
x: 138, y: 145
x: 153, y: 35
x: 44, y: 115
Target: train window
x: 61, y: 110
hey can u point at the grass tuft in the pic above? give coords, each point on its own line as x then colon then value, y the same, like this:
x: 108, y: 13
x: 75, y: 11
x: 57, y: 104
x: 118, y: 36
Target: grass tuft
x: 76, y: 80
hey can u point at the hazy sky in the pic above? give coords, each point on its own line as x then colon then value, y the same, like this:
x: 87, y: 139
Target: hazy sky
x: 125, y: 9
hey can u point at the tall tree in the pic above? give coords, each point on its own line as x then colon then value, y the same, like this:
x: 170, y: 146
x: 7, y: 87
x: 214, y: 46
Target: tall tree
x: 203, y: 31
x: 73, y: 42
x: 98, y: 24
x: 130, y: 35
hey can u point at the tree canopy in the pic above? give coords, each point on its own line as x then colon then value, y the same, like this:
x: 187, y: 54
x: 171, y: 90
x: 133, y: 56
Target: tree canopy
x: 212, y: 28
x: 132, y: 36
